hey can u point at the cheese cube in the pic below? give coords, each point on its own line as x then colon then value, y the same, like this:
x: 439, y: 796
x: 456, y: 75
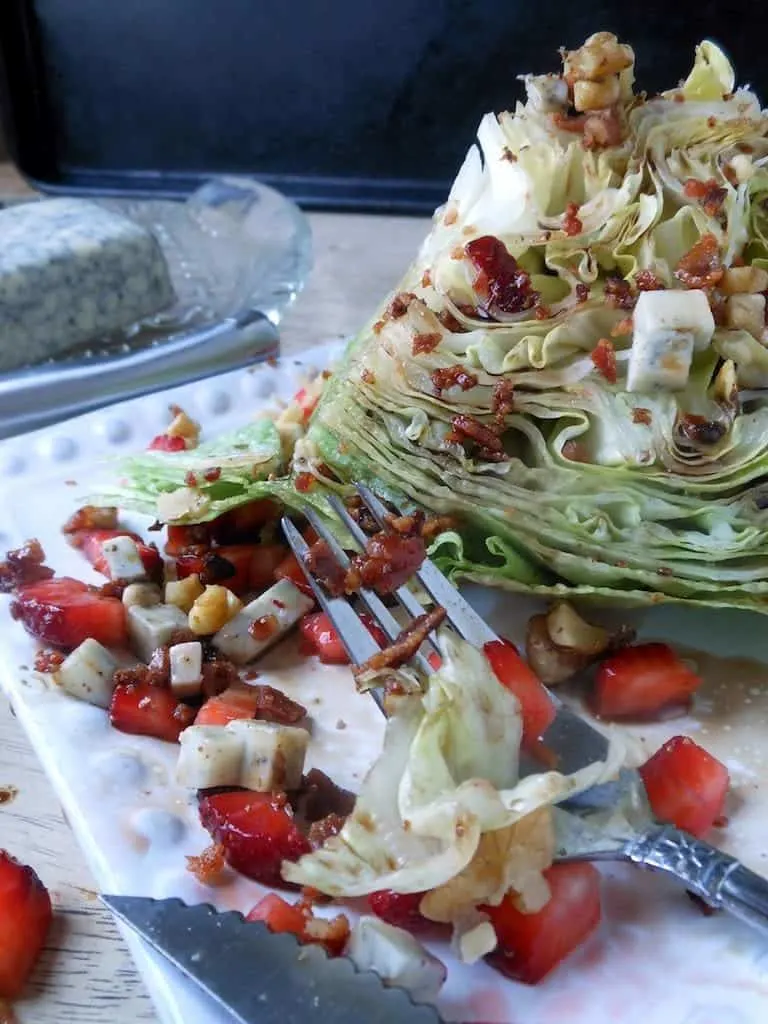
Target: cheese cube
x: 87, y: 673
x: 397, y: 957
x: 273, y: 755
x: 209, y: 755
x: 72, y: 271
x: 186, y: 664
x: 278, y: 609
x: 123, y: 559
x: 153, y: 627
x: 668, y: 326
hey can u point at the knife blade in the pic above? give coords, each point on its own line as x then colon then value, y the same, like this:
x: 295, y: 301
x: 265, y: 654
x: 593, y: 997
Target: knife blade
x: 261, y: 977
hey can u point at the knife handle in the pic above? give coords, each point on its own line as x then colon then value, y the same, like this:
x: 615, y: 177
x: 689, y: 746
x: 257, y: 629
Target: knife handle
x: 723, y: 882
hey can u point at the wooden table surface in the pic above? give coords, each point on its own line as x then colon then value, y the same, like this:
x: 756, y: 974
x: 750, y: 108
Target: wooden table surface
x: 86, y: 975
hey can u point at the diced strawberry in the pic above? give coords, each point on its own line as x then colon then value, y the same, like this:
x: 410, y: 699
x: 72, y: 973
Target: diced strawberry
x: 257, y: 830
x: 64, y: 612
x: 321, y: 638
x: 639, y: 682
x: 536, y: 705
x: 166, y: 443
x: 184, y: 538
x: 147, y: 710
x: 25, y: 918
x: 243, y: 524
x: 232, y: 704
x: 399, y: 909
x: 266, y: 558
x: 298, y: 919
x: 686, y: 785
x: 90, y: 543
x: 531, y: 945
x: 289, y: 569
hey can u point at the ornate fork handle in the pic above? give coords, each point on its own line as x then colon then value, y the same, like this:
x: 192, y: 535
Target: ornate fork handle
x: 721, y: 881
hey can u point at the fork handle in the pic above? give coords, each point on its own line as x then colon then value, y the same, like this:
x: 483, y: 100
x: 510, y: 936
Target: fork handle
x: 720, y: 880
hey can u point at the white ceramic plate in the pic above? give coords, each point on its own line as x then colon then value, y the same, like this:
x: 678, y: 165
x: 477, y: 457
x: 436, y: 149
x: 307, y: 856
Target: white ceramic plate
x: 655, y: 959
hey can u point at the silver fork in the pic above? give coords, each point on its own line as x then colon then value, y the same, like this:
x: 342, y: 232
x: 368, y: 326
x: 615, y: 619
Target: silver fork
x: 610, y: 822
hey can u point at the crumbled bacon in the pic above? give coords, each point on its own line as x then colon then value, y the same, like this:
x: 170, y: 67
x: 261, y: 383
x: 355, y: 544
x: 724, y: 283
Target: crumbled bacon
x: 157, y: 673
x: 319, y: 797
x: 641, y: 415
x: 699, y: 430
x: 500, y: 283
x: 569, y: 122
x: 542, y: 312
x: 23, y: 565
x: 502, y: 402
x: 407, y: 525
x: 190, y: 479
x: 399, y: 305
x: 647, y: 281
x: 622, y: 328
x: 582, y: 292
x: 468, y: 429
x: 274, y: 706
x: 91, y: 517
x: 604, y: 358
x: 701, y: 266
x: 304, y: 482
x: 218, y: 674
x: 450, y: 323
x: 361, y: 514
x: 426, y: 279
x: 210, y: 866
x: 263, y: 628
x: 323, y: 565
x: 48, y: 661
x: 434, y: 525
x: 603, y: 128
x: 322, y: 830
x: 572, y: 225
x: 708, y: 193
x: 367, y: 376
x: 618, y: 293
x: 425, y: 342
x: 408, y: 641
x: 389, y: 560
x: 453, y: 376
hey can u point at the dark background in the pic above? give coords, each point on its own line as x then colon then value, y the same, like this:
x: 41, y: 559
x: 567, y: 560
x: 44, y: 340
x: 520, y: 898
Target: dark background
x: 339, y: 103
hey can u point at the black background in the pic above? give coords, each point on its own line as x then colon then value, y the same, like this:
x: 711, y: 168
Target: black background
x: 339, y: 103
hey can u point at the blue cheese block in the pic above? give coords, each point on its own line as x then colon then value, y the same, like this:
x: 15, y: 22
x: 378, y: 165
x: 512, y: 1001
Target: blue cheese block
x: 70, y: 273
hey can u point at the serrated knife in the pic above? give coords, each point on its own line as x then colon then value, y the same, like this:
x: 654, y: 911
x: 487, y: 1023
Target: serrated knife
x: 260, y: 977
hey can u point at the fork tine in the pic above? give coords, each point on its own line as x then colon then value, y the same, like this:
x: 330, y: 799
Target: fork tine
x: 372, y: 601
x: 461, y: 615
x: 404, y: 596
x: 358, y: 642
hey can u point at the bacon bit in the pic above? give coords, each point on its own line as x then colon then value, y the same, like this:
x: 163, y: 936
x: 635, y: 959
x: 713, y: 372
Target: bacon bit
x: 23, y: 565
x: 48, y: 661
x: 622, y: 328
x: 730, y: 175
x: 263, y: 628
x: 699, y: 430
x: 91, y: 517
x: 641, y: 415
x: 708, y: 193
x: 467, y: 428
x: 679, y: 97
x: 388, y: 561
x: 320, y: 831
x: 437, y: 524
x: 502, y: 402
x: 406, y: 526
x: 378, y: 327
x: 425, y: 341
x: 426, y: 279
x: 744, y: 147
x: 398, y: 307
x: 603, y: 128
x: 647, y: 281
x: 190, y: 479
x: 453, y: 376
x: 450, y: 323
x: 218, y: 674
x: 274, y: 706
x: 210, y: 866
x: 711, y: 122
x: 508, y: 155
x: 618, y: 293
x: 499, y: 282
x: 451, y: 216
x: 320, y: 796
x: 574, y: 451
x: 582, y: 292
x: 542, y: 312
x: 569, y: 122
x: 8, y: 794
x: 361, y: 515
x: 165, y: 443
x: 304, y: 482
x: 604, y: 358
x: 572, y: 225
x: 367, y: 376
x: 323, y: 565
x: 408, y: 641
x: 701, y: 266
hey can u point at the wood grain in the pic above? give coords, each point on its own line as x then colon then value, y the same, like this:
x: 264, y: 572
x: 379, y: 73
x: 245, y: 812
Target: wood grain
x: 86, y: 975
